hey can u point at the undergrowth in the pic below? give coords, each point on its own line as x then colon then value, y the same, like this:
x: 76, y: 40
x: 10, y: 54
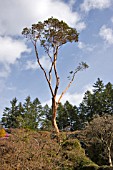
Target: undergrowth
x: 31, y: 150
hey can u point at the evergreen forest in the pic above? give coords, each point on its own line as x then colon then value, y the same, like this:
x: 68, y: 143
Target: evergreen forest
x: 32, y: 115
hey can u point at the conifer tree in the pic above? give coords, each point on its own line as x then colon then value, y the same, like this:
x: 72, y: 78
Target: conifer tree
x: 10, y: 115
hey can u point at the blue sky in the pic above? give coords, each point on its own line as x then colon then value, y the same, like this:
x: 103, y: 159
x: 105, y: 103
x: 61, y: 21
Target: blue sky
x: 20, y: 75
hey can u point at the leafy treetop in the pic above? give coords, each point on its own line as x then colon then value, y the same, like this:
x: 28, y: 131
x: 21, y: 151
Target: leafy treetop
x: 51, y: 33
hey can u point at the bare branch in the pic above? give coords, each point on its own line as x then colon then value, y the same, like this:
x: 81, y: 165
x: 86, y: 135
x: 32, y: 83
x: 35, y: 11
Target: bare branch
x: 47, y: 50
x: 66, y: 87
x: 50, y: 71
x: 50, y: 86
x: 79, y: 68
x: 55, y: 70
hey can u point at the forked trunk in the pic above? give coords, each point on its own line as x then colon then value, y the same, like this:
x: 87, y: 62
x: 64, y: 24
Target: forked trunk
x: 54, y: 111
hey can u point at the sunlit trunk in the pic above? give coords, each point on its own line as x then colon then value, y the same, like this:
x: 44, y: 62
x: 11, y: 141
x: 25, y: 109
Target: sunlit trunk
x: 54, y: 111
x: 109, y: 156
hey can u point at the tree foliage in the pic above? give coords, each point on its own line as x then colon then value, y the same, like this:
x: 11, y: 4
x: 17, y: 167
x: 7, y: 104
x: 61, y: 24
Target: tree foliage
x: 98, y: 102
x: 51, y: 33
x: 67, y: 116
x: 27, y: 115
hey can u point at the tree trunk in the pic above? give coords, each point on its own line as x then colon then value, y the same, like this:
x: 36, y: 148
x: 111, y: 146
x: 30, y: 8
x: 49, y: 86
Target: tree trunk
x: 54, y: 111
x: 109, y: 156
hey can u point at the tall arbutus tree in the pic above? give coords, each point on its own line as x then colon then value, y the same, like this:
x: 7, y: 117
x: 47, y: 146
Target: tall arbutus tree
x: 52, y: 34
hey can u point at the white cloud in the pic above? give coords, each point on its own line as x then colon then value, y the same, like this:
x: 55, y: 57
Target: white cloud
x: 15, y: 15
x: 81, y: 45
x: 88, y: 87
x: 80, y: 26
x: 85, y: 47
x: 74, y: 99
x: 88, y: 5
x: 72, y: 2
x: 106, y: 34
x: 33, y: 65
x: 10, y: 51
x: 44, y: 60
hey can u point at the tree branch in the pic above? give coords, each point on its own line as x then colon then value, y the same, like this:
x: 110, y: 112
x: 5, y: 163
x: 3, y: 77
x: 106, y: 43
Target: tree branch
x: 50, y: 71
x: 72, y: 79
x: 55, y: 70
x: 43, y: 69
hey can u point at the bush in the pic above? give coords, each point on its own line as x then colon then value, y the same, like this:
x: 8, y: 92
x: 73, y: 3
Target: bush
x: 72, y: 144
x: 85, y: 163
x: 2, y: 133
x: 75, y: 154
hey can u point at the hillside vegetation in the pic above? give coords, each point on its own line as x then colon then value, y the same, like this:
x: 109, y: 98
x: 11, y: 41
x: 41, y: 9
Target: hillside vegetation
x: 31, y: 150
x: 33, y: 146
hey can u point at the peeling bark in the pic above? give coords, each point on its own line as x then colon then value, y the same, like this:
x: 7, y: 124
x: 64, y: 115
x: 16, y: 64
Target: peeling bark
x: 54, y: 111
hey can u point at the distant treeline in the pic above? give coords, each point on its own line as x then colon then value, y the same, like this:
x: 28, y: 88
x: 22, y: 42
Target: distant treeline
x: 31, y: 114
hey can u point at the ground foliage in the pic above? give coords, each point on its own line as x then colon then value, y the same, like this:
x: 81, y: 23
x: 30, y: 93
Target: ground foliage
x: 26, y: 149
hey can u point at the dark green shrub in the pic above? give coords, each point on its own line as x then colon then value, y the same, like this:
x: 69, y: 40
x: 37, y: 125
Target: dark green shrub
x: 73, y: 153
x: 83, y: 162
x: 71, y: 144
x: 97, y: 154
